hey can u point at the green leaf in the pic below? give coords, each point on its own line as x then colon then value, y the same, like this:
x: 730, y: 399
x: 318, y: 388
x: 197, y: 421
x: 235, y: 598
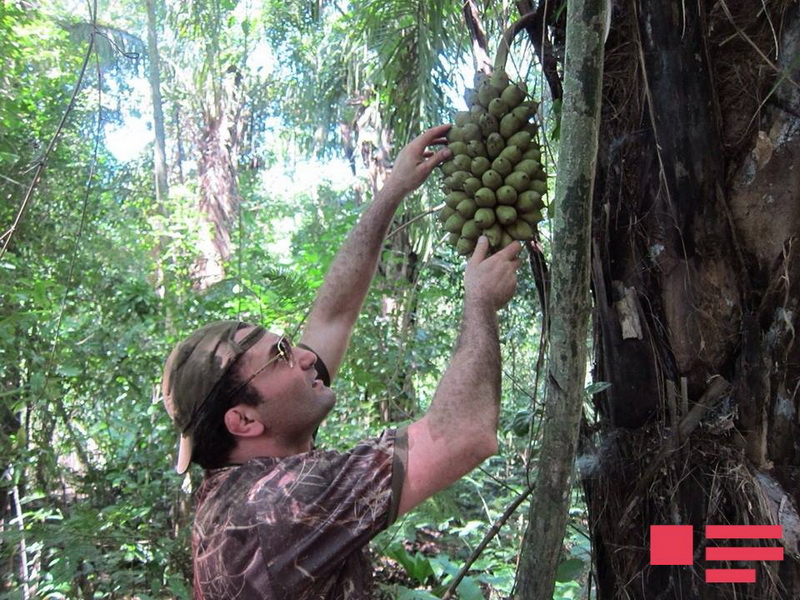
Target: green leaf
x: 69, y: 370
x: 405, y: 593
x: 597, y: 387
x: 418, y: 566
x: 569, y: 570
x: 469, y: 589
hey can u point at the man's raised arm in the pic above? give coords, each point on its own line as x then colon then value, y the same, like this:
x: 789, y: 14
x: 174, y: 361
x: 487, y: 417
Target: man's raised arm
x: 346, y: 283
x: 459, y: 431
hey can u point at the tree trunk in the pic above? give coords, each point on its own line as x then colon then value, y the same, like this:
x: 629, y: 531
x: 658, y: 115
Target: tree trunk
x: 569, y: 309
x: 695, y: 276
x: 217, y: 165
x: 159, y: 149
x: 154, y: 76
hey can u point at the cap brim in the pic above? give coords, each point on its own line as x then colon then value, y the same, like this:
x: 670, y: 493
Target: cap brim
x: 184, y: 454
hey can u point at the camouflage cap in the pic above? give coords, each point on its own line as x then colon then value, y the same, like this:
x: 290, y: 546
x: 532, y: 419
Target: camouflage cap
x: 193, y: 371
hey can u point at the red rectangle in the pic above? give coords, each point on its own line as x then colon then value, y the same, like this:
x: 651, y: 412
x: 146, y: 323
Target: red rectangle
x: 744, y: 532
x: 671, y: 545
x: 730, y: 575
x: 769, y: 553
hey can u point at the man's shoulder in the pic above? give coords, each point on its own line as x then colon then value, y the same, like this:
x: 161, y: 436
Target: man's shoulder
x: 297, y: 476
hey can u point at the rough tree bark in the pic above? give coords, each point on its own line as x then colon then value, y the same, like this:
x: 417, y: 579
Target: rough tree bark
x: 217, y: 167
x: 569, y: 300
x: 696, y: 279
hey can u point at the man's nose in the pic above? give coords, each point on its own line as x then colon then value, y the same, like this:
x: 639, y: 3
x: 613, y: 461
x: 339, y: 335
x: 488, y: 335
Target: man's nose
x: 305, y: 358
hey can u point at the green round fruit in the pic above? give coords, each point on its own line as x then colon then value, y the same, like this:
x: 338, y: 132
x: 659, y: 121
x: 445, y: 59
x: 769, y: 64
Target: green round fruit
x: 524, y: 112
x: 457, y: 148
x: 448, y: 168
x: 518, y: 180
x: 494, y: 234
x: 454, y: 223
x: 539, y: 186
x: 514, y: 94
x: 509, y: 125
x: 533, y: 152
x: 520, y: 230
x: 476, y: 110
x: 531, y: 218
x: 472, y: 185
x: 528, y: 165
x: 506, y: 214
x: 485, y: 197
x: 465, y: 246
x: 471, y: 231
x: 506, y: 195
x: 495, y: 144
x: 499, y: 80
x: 479, y: 166
x: 512, y: 154
x: 445, y: 214
x: 486, y: 93
x: 476, y: 148
x: 471, y: 132
x: 455, y: 134
x: 462, y: 161
x: 502, y: 165
x: 485, y: 217
x: 466, y: 208
x: 492, y: 179
x: 458, y: 178
x: 479, y: 79
x: 530, y: 201
x: 453, y: 198
x: 489, y: 124
x: 462, y: 118
x: 498, y: 108
x: 521, y: 139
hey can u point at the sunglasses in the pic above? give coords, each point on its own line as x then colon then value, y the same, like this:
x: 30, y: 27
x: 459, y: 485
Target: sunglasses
x: 281, y: 350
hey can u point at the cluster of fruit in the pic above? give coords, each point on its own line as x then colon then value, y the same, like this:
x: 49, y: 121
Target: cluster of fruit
x: 495, y: 181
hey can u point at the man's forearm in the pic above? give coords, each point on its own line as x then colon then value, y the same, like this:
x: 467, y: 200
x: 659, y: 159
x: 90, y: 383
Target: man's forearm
x: 348, y: 279
x: 459, y: 430
x: 467, y: 402
x: 339, y: 301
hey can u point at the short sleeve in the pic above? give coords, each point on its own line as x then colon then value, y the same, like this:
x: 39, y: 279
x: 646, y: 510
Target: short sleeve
x: 327, y: 505
x: 308, y: 517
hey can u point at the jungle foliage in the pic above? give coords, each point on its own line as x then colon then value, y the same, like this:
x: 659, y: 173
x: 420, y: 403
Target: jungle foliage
x: 304, y: 104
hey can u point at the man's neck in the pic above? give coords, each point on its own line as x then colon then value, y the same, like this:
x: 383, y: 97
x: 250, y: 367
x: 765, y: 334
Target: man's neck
x: 267, y: 447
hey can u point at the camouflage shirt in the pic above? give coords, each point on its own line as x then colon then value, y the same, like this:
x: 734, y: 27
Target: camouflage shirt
x: 296, y: 527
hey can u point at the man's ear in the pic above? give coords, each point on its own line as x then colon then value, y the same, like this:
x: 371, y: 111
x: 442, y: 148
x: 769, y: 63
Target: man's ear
x: 242, y: 421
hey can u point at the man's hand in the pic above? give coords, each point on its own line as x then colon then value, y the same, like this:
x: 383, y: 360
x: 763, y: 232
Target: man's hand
x: 416, y: 161
x: 494, y: 279
x: 339, y: 301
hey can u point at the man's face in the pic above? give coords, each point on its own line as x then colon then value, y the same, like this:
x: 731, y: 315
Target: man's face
x: 294, y: 401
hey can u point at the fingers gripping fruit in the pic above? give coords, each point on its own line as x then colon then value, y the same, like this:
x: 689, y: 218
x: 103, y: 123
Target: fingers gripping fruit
x: 495, y: 181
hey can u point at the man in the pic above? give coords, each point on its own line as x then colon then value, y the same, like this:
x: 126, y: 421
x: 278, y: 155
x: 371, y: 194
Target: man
x: 276, y: 518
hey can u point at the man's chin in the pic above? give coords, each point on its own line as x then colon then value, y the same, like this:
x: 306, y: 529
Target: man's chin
x: 329, y: 400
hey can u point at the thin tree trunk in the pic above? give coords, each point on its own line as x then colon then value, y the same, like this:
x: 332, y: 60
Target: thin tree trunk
x: 159, y: 149
x: 218, y: 157
x: 570, y: 306
x: 154, y: 75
